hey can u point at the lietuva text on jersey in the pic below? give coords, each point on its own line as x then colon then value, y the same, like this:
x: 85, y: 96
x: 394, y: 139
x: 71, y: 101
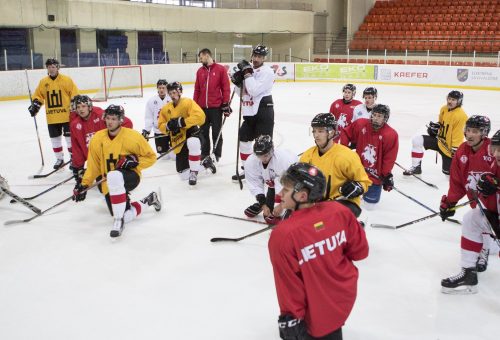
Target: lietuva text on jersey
x: 320, y: 248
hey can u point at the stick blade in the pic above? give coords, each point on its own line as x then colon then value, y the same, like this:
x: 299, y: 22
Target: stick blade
x: 11, y: 222
x: 385, y: 226
x: 224, y: 239
x: 12, y: 201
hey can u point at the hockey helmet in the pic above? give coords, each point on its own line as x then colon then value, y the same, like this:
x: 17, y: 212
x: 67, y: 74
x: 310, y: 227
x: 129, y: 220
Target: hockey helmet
x: 495, y: 140
x: 306, y: 176
x: 459, y: 96
x: 324, y: 120
x: 263, y: 145
x: 260, y: 50
x: 175, y: 85
x: 482, y: 123
x: 52, y: 61
x: 82, y: 99
x: 116, y: 110
x: 370, y: 91
x: 351, y: 87
x: 384, y: 109
x: 161, y: 82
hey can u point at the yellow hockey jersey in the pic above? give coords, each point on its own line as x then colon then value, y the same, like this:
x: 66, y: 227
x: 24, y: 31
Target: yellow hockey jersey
x: 187, y: 109
x: 56, y: 95
x: 105, y: 152
x: 451, y: 132
x: 339, y: 164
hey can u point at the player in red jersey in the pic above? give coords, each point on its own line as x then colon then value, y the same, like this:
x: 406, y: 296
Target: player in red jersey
x: 342, y: 108
x: 88, y: 120
x: 471, y: 161
x: 312, y: 254
x: 377, y: 145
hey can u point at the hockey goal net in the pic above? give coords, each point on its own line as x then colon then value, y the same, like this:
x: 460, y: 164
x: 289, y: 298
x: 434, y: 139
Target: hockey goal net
x: 120, y: 81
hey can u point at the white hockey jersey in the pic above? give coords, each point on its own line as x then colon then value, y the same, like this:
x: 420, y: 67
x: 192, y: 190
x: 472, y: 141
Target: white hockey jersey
x: 256, y: 87
x: 153, y: 107
x: 361, y: 111
x: 257, y: 176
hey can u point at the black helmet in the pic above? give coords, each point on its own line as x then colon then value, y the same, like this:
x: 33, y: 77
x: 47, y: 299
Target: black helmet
x: 52, y: 61
x: 263, y: 145
x: 161, y: 82
x: 370, y: 90
x: 482, y: 123
x: 324, y: 120
x: 306, y: 176
x: 116, y: 110
x: 82, y: 99
x: 384, y: 109
x: 495, y: 140
x: 459, y: 96
x: 351, y: 87
x: 175, y: 85
x: 260, y: 50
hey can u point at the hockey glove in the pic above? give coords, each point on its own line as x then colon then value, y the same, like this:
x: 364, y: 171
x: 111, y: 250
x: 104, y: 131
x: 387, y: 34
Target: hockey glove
x: 433, y: 129
x: 237, y: 78
x: 127, y: 162
x: 245, y: 68
x: 34, y: 108
x: 174, y: 125
x: 291, y: 328
x: 388, y: 182
x: 145, y: 134
x: 78, y: 174
x: 79, y: 192
x: 446, y: 208
x: 256, y: 208
x: 351, y: 189
x: 488, y: 184
x: 226, y: 109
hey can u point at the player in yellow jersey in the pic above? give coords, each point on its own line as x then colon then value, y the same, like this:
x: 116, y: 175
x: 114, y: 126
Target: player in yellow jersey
x: 444, y: 137
x: 345, y: 175
x: 55, y: 91
x: 181, y: 120
x: 118, y: 154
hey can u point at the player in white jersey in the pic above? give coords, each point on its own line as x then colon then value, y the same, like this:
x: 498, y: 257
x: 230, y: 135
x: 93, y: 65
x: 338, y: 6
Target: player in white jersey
x: 254, y: 84
x: 153, y: 107
x: 263, y: 168
x: 365, y: 110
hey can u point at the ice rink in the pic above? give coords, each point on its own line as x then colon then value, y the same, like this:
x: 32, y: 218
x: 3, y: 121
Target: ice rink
x: 62, y: 277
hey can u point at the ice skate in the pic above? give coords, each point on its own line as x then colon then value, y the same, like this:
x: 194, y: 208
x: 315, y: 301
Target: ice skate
x: 464, y: 282
x: 253, y: 210
x: 152, y: 199
x: 117, y: 228
x: 414, y: 170
x: 58, y: 164
x: 193, y: 177
x: 482, y: 260
x: 208, y: 163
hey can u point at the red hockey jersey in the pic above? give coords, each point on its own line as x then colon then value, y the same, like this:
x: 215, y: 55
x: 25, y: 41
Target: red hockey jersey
x: 343, y: 111
x: 312, y: 254
x: 83, y: 130
x: 466, y: 168
x: 378, y: 150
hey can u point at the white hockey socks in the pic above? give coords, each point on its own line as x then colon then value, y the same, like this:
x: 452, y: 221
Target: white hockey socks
x: 57, y: 147
x: 194, y: 153
x: 417, y: 150
x: 117, y: 193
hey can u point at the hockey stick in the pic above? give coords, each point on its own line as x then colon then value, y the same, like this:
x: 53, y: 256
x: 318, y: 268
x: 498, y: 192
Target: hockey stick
x: 420, y: 179
x: 238, y: 144
x: 50, y: 173
x: 375, y: 225
x: 492, y: 231
x: 413, y: 199
x: 21, y: 200
x: 34, y: 118
x: 226, y: 216
x: 52, y: 207
x: 171, y: 149
x: 154, y: 137
x: 45, y: 191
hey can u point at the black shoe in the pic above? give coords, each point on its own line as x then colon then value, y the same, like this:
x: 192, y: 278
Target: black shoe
x: 464, y: 282
x: 253, y: 210
x: 482, y: 260
x: 193, y: 177
x: 208, y: 163
x: 58, y: 164
x: 152, y: 200
x: 414, y: 170
x: 117, y: 227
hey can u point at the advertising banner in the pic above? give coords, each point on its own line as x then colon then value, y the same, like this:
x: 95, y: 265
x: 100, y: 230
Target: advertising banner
x: 318, y: 71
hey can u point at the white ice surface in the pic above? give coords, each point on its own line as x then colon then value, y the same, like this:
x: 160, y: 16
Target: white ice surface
x: 62, y: 277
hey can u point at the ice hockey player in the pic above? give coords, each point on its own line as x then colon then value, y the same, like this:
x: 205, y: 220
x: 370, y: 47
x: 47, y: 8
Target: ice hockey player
x: 264, y: 168
x: 55, y: 91
x: 471, y: 169
x: 377, y: 145
x: 118, y: 154
x: 181, y: 120
x: 445, y: 136
x: 211, y: 93
x: 153, y: 107
x: 88, y: 120
x: 346, y: 177
x: 343, y: 108
x: 312, y: 254
x: 254, y: 85
x: 363, y: 110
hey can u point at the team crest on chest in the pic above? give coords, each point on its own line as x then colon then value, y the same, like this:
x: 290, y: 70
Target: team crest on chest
x: 472, y: 178
x: 369, y: 154
x: 342, y: 122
